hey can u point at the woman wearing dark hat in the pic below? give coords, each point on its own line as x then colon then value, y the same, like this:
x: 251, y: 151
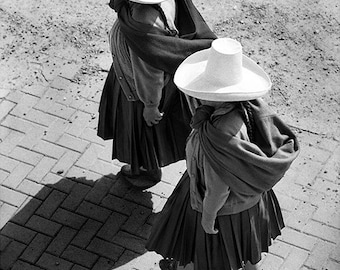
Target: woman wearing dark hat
x: 223, y: 213
x: 141, y: 109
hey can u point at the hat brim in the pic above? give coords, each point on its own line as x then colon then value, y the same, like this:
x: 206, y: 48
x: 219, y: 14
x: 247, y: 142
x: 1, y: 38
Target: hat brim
x: 190, y: 79
x: 147, y: 2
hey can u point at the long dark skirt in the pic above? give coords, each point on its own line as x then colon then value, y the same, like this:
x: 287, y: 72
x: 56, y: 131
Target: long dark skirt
x: 242, y: 237
x: 133, y: 141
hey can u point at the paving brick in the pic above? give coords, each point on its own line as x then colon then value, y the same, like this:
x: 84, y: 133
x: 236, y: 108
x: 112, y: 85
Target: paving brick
x: 10, y: 141
x: 34, y: 189
x: 322, y: 231
x: 162, y: 189
x: 26, y: 156
x: 6, y: 213
x: 36, y: 248
x: 93, y: 211
x: 104, y: 264
x: 6, y: 106
x: 41, y: 169
x: 48, y: 106
x: 39, y: 117
x: 57, y: 182
x: 50, y: 262
x: 20, y: 265
x: 82, y: 175
x: 87, y: 232
x: 120, y: 188
x: 137, y: 220
x: 112, y: 226
x: 68, y: 71
x: 8, y: 164
x: 329, y: 189
x: 331, y: 169
x: 61, y: 241
x: 80, y: 121
x: 272, y: 262
x: 17, y: 232
x: 102, y: 167
x: 90, y: 134
x: 34, y: 89
x: 80, y: 256
x: 10, y: 255
x: 18, y: 175
x: 105, y: 249
x: 300, y: 216
x: 32, y: 137
x: 18, y: 124
x: 60, y: 83
x: 331, y: 265
x: 56, y: 130
x: 26, y: 211
x: 73, y: 143
x: 140, y: 198
x: 26, y: 103
x: 68, y: 218
x: 90, y: 107
x: 43, y: 225
x: 49, y: 149
x: 319, y: 254
x: 4, y: 132
x: 4, y: 242
x: 78, y: 267
x: 77, y: 195
x: 299, y: 239
x: 315, y: 153
x: 51, y: 204
x: 100, y: 190
x: 89, y: 157
x: 3, y: 176
x: 11, y: 196
x: 106, y: 153
x: 119, y: 205
x: 335, y: 254
x: 130, y: 242
x: 295, y: 259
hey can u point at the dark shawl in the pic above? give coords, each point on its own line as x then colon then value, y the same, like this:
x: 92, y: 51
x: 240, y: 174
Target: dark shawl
x: 156, y: 46
x: 248, y: 168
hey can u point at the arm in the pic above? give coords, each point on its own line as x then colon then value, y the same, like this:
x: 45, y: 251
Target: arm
x: 217, y: 192
x: 149, y: 82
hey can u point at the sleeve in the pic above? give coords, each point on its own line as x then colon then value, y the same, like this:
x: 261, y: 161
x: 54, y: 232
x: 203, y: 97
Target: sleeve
x: 217, y: 191
x: 149, y: 81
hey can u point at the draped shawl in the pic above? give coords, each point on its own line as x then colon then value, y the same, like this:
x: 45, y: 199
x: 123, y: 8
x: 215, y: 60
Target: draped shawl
x: 249, y: 168
x: 157, y: 46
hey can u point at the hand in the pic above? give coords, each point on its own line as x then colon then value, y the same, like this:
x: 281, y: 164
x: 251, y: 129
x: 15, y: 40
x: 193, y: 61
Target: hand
x: 208, y: 224
x: 152, y: 116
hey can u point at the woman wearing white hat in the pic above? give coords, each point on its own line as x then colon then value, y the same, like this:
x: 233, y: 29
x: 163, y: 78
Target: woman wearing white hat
x: 223, y: 213
x: 141, y: 109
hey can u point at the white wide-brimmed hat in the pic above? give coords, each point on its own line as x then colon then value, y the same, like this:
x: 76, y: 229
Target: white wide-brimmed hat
x: 150, y: 2
x: 222, y: 73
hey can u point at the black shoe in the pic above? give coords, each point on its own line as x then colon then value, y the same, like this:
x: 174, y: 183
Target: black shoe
x: 168, y: 264
x: 143, y: 180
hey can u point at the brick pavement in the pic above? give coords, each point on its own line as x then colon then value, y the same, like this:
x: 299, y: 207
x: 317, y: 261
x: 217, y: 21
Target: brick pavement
x: 62, y: 205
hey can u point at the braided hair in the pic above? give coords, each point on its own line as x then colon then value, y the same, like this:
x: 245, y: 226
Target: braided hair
x: 248, y: 117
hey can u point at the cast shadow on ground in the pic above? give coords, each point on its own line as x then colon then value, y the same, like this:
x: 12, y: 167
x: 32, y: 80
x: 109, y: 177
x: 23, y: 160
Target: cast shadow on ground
x: 79, y: 224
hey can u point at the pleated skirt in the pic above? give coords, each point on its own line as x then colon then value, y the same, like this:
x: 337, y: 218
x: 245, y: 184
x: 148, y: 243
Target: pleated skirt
x: 134, y: 142
x: 178, y: 234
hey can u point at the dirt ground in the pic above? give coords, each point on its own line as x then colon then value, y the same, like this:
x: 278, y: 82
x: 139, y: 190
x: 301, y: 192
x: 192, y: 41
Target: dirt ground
x: 296, y: 42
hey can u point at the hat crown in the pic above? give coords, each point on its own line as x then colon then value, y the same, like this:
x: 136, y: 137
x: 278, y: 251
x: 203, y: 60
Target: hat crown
x: 224, y: 64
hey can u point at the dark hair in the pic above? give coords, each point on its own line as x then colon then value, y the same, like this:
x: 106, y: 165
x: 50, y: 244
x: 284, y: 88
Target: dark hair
x: 248, y: 117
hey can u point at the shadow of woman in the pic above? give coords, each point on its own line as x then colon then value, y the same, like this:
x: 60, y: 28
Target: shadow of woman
x: 77, y: 224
